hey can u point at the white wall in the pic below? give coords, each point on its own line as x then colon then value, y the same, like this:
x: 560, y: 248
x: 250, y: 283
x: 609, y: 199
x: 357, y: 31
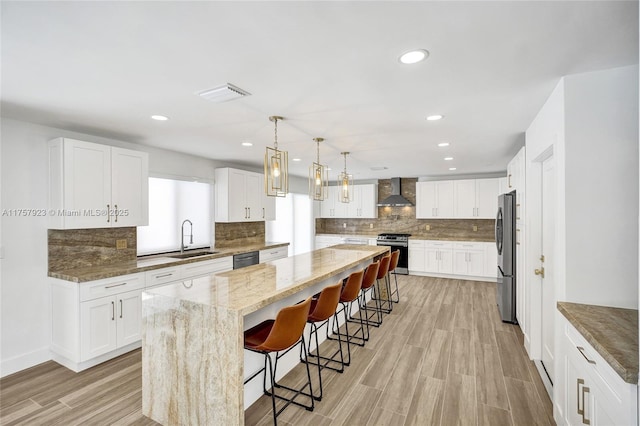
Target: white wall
x: 24, y: 292
x: 601, y: 187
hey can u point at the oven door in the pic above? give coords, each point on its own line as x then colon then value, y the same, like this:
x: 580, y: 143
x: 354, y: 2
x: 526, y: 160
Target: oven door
x: 403, y: 259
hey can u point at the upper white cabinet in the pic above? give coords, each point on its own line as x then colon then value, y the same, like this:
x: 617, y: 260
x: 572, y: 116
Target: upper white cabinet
x: 434, y: 199
x: 516, y: 172
x: 475, y: 198
x: 96, y: 186
x: 240, y: 197
x: 362, y: 206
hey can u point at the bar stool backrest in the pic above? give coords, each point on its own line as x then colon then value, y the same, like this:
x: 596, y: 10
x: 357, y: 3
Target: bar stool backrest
x: 351, y: 289
x: 371, y: 275
x: 327, y: 303
x: 288, y: 327
x: 384, y: 266
x: 395, y: 256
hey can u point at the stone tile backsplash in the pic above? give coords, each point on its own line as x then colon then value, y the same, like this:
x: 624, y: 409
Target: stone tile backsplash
x: 239, y: 233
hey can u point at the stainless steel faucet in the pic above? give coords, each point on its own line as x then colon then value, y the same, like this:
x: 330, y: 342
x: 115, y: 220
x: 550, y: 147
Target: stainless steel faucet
x: 182, y: 246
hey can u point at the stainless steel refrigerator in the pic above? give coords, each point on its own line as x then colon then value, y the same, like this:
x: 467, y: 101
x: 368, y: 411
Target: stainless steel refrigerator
x: 506, y: 245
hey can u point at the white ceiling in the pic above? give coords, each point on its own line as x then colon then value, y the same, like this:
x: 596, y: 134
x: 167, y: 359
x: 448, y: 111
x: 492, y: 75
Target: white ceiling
x: 330, y: 68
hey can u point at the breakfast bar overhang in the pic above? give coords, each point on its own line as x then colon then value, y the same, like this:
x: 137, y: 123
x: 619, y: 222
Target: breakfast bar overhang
x: 193, y: 357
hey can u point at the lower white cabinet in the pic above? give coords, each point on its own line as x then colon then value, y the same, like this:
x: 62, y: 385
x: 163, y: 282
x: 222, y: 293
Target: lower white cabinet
x: 273, y: 254
x: 472, y: 260
x: 206, y: 267
x: 468, y: 259
x: 95, y: 321
x: 324, y: 241
x: 590, y: 391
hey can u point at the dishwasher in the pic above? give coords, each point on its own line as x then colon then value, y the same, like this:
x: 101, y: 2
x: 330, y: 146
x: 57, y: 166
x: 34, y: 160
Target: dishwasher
x: 246, y: 259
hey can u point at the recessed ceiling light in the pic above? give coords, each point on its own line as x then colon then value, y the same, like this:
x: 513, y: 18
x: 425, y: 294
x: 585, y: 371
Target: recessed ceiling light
x: 296, y: 159
x: 435, y: 117
x: 414, y: 56
x: 247, y: 144
x: 160, y: 117
x: 443, y: 144
x: 452, y: 168
x: 448, y: 158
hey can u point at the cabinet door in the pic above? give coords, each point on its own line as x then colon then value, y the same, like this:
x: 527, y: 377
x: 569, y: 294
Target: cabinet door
x: 426, y: 196
x: 465, y: 198
x: 238, y: 211
x: 97, y: 327
x: 446, y: 261
x: 340, y: 209
x: 486, y: 198
x: 444, y: 207
x: 268, y: 203
x: 129, y: 320
x: 460, y: 264
x: 367, y: 206
x: 431, y: 260
x: 87, y: 184
x: 417, y: 259
x: 491, y: 260
x: 253, y: 194
x: 579, y: 392
x: 475, y: 263
x: 129, y: 187
x: 327, y: 206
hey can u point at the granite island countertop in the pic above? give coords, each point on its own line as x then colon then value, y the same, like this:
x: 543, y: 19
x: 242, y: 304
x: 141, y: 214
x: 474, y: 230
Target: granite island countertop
x: 613, y: 333
x: 149, y: 263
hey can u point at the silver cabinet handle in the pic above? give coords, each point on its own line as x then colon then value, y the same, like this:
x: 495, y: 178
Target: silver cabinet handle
x: 585, y: 420
x: 115, y: 285
x: 116, y: 211
x: 249, y: 208
x: 164, y: 275
x: 108, y: 214
x: 581, y: 349
x: 578, y: 383
x: 120, y: 308
x: 113, y: 311
x: 263, y: 212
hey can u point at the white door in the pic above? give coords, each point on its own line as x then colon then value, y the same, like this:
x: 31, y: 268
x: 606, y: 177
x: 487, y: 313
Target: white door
x: 253, y: 194
x: 426, y: 200
x: 475, y: 263
x: 548, y: 290
x: 129, y: 321
x: 238, y: 211
x: 130, y: 187
x: 97, y: 327
x: 445, y: 261
x: 460, y: 262
x: 465, y: 198
x: 445, y: 199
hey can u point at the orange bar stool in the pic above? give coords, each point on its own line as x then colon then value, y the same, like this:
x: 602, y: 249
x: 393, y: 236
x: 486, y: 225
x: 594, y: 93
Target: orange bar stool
x: 321, y: 311
x: 368, y: 282
x: 350, y: 294
x: 395, y: 256
x: 382, y: 275
x: 281, y: 334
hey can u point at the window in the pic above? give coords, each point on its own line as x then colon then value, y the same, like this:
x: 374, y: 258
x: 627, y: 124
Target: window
x: 294, y: 223
x: 170, y: 203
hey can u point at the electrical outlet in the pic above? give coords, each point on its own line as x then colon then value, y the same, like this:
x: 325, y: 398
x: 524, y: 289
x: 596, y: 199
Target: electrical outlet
x: 121, y: 244
x: 475, y: 228
x: 344, y: 225
x: 428, y: 227
x: 371, y: 226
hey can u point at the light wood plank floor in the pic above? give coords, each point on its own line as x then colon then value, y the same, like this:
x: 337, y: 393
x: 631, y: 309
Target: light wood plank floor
x: 441, y: 357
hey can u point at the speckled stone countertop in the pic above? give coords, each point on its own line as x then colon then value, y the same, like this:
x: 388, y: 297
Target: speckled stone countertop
x: 80, y: 275
x: 613, y: 333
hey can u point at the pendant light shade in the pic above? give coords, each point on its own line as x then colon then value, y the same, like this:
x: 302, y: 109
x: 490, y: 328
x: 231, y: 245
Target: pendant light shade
x: 318, y: 177
x: 276, y: 167
x: 345, y: 183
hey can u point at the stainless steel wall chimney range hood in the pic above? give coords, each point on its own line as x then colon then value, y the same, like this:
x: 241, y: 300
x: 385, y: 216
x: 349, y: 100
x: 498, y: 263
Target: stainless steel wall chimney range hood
x: 395, y: 199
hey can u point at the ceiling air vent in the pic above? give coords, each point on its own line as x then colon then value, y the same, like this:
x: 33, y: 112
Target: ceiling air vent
x: 223, y: 93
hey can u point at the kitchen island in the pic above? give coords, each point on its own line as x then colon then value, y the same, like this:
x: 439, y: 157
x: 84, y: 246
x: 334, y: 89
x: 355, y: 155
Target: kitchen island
x: 193, y: 360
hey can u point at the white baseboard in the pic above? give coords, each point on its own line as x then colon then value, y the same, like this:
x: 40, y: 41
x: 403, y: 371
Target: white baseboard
x: 545, y: 379
x: 79, y: 366
x: 453, y: 277
x: 24, y: 361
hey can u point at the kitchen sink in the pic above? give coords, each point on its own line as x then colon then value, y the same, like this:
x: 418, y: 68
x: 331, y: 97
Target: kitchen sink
x: 188, y: 255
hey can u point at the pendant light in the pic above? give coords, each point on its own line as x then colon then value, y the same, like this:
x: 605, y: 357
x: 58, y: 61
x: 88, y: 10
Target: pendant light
x: 276, y: 167
x: 345, y: 183
x: 318, y: 176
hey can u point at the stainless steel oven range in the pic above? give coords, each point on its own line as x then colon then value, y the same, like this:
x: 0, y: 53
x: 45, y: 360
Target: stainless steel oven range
x: 397, y: 242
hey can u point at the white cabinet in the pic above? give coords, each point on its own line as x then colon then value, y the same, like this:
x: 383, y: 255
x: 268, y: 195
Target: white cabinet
x: 434, y: 199
x: 206, y: 267
x: 362, y: 206
x: 324, y: 241
x: 95, y: 321
x: 417, y: 259
x: 468, y: 259
x: 475, y: 198
x: 590, y: 391
x: 516, y: 172
x: 97, y: 186
x: 491, y: 260
x: 275, y: 253
x: 240, y: 197
x: 439, y: 257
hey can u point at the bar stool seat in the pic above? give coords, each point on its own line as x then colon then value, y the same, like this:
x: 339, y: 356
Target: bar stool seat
x: 382, y: 275
x: 281, y: 334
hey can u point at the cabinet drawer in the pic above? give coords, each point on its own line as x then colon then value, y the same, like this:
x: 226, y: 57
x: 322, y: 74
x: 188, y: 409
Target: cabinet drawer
x: 162, y: 276
x: 191, y: 270
x: 416, y: 243
x: 439, y: 244
x: 111, y: 286
x: 272, y: 254
x: 469, y: 246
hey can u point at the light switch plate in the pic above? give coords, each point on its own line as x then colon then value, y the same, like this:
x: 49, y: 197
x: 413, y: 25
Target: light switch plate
x: 428, y: 227
x: 121, y: 244
x: 475, y: 228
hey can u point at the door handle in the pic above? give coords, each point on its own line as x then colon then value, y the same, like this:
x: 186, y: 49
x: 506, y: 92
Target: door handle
x: 120, y: 308
x: 539, y: 272
x: 113, y: 311
x: 585, y: 420
x: 578, y: 394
